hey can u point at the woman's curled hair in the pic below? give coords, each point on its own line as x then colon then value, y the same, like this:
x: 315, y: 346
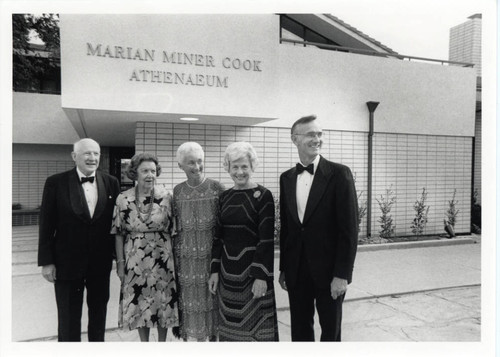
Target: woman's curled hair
x: 137, y: 160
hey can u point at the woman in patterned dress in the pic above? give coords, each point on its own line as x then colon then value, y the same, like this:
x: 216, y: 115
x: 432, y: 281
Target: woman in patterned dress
x: 196, y: 202
x: 145, y: 266
x: 243, y: 253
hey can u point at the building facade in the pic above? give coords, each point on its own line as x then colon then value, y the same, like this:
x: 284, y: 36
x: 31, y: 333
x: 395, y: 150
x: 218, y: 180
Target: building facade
x: 465, y: 46
x: 465, y: 42
x: 249, y: 77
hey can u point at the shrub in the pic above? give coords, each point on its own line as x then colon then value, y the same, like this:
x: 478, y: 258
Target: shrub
x: 452, y: 212
x: 361, y: 210
x: 386, y: 223
x: 421, y: 212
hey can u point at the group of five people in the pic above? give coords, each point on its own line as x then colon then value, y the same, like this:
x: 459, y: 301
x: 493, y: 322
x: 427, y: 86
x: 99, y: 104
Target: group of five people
x: 200, y: 261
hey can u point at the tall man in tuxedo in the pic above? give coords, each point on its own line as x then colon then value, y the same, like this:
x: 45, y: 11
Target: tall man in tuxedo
x: 319, y: 235
x: 75, y: 246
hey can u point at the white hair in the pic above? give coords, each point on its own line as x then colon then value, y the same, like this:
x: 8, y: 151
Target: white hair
x: 186, y: 148
x: 77, y: 144
x: 240, y: 150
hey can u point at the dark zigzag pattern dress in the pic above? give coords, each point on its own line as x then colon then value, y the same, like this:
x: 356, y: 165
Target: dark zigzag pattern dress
x: 243, y: 250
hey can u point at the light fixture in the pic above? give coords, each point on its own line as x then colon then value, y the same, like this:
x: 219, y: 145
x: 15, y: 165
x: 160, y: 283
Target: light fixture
x: 189, y: 119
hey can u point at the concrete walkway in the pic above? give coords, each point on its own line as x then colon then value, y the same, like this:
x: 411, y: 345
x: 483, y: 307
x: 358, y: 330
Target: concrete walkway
x: 417, y: 292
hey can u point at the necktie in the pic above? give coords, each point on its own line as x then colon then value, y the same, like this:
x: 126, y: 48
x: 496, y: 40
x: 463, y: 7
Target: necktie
x: 309, y: 168
x: 87, y: 179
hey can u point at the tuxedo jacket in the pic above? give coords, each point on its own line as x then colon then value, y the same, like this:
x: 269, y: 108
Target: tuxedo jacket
x: 77, y: 244
x: 328, y: 235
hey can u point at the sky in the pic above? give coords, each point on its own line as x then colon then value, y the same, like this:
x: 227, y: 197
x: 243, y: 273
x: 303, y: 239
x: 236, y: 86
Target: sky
x: 410, y: 27
x: 414, y: 28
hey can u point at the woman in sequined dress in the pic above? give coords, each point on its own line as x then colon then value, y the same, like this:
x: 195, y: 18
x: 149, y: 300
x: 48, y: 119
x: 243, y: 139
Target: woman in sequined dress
x: 196, y: 203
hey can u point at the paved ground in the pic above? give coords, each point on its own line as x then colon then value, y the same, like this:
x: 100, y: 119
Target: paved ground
x: 423, y: 293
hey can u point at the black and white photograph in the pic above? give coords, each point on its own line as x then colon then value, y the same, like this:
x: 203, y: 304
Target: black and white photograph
x: 249, y: 172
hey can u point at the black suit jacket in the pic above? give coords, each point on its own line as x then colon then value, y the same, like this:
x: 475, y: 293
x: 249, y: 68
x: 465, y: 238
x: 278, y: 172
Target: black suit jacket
x: 78, y: 245
x: 329, y: 232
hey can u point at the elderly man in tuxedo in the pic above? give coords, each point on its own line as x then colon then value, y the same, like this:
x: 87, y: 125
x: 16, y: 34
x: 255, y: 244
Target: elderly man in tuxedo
x: 319, y: 235
x: 75, y: 246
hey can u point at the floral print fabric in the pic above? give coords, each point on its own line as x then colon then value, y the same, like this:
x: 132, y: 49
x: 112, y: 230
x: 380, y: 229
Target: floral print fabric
x: 149, y: 294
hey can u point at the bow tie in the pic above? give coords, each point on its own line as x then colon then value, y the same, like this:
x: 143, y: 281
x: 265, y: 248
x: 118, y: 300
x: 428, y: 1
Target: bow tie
x: 87, y: 179
x: 301, y: 169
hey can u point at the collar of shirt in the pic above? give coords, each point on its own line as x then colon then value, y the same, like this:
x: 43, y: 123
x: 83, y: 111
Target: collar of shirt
x: 80, y: 174
x: 90, y: 192
x: 315, y: 162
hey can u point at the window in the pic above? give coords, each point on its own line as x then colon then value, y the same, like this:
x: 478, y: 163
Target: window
x: 292, y: 30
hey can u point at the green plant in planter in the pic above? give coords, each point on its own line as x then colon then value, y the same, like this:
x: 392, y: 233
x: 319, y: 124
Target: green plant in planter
x: 452, y: 212
x: 361, y: 210
x: 421, y: 212
x: 451, y: 216
x: 386, y: 223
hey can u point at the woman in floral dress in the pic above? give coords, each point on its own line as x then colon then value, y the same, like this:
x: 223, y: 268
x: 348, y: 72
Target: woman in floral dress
x: 145, y: 266
x: 196, y: 202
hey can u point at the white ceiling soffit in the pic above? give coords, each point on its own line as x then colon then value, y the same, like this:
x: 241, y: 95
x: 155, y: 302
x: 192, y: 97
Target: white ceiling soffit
x: 115, y: 128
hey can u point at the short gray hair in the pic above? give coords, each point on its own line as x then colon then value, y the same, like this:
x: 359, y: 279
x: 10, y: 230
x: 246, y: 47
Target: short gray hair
x: 240, y: 150
x: 304, y: 120
x: 186, y: 148
x: 76, y: 145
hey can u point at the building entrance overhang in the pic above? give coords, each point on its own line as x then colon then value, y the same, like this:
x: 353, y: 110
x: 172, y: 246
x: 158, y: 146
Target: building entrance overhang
x: 117, y: 128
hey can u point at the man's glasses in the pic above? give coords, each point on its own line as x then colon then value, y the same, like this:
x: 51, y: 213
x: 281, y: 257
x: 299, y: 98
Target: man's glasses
x: 312, y: 134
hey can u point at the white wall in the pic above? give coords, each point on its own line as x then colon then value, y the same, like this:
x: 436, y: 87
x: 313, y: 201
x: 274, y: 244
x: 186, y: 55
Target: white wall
x: 416, y: 98
x: 90, y: 81
x: 39, y: 119
x: 293, y: 81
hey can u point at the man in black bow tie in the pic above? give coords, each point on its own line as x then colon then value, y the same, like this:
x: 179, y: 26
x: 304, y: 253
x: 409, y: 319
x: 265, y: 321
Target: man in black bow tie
x: 319, y: 235
x: 75, y: 247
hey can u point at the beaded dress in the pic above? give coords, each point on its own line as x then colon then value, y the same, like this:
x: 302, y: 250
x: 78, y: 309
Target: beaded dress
x: 195, y: 211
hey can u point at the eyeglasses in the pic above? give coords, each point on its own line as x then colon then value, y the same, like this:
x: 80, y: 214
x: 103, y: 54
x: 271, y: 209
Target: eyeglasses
x: 312, y: 134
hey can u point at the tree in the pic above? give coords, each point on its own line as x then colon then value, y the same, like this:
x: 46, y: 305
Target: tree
x: 28, y: 67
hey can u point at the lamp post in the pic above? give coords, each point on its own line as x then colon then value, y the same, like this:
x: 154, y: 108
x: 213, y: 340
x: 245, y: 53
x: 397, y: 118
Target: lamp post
x: 371, y: 108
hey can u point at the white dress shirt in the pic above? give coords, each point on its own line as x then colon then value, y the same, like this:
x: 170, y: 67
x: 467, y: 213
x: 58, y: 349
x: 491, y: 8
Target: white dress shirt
x: 304, y: 182
x: 90, y: 190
